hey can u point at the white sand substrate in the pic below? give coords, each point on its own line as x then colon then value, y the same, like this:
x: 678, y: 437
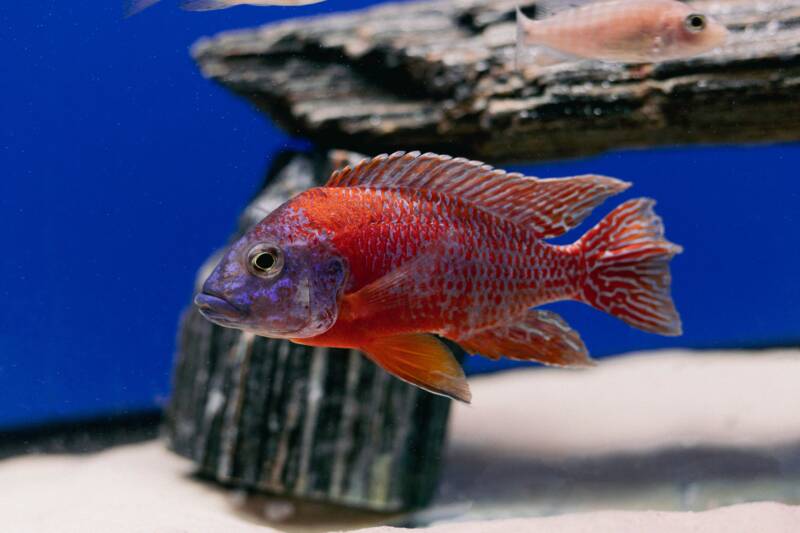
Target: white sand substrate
x: 645, y: 442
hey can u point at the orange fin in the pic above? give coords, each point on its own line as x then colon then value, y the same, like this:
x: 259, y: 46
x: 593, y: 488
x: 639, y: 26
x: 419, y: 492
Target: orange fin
x: 549, y: 207
x: 422, y: 360
x: 543, y: 336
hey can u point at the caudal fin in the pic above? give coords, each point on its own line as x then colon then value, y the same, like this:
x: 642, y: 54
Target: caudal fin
x: 627, y: 258
x: 132, y: 7
x: 521, y: 52
x: 518, y: 50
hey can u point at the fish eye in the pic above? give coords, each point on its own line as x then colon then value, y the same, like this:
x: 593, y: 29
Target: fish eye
x: 265, y: 261
x: 695, y: 23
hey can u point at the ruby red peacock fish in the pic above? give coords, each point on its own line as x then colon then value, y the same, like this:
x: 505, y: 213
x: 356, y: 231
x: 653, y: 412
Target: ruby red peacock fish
x: 404, y: 246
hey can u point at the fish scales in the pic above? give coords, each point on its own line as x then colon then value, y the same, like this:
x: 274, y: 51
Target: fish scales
x: 407, y: 245
x: 493, y: 270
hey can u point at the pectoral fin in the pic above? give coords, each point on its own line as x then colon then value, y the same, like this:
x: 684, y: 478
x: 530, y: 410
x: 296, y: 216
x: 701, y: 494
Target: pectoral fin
x: 407, y: 286
x: 542, y: 336
x: 421, y: 360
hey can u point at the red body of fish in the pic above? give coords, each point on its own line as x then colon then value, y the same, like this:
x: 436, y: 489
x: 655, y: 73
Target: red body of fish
x: 436, y: 245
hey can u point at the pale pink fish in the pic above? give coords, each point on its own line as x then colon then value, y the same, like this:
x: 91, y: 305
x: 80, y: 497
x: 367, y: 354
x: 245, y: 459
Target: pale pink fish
x: 629, y: 31
x: 212, y: 5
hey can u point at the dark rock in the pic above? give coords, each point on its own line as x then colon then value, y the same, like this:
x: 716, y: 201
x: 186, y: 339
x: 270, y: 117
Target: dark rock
x: 439, y: 76
x: 315, y: 423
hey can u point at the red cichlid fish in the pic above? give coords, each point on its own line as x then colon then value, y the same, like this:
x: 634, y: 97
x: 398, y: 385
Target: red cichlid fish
x: 632, y: 31
x: 404, y: 246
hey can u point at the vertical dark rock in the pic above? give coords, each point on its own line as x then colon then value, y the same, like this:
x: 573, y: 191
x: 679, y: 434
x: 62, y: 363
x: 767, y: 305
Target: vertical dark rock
x: 316, y: 423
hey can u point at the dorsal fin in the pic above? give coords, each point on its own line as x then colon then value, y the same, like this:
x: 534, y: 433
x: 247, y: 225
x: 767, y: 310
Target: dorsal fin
x: 549, y: 207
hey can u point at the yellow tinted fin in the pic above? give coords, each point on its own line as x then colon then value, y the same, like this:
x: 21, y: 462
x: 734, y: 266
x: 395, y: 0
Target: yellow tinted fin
x: 542, y: 336
x: 421, y: 360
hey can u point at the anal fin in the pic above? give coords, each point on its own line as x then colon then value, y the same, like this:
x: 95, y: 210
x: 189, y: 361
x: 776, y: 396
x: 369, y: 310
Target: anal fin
x: 421, y: 360
x: 542, y: 336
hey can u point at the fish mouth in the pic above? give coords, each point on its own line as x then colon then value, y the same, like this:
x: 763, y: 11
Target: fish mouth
x: 223, y: 313
x: 218, y: 309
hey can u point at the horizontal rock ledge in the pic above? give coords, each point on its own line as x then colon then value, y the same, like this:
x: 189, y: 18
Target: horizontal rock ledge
x: 440, y: 76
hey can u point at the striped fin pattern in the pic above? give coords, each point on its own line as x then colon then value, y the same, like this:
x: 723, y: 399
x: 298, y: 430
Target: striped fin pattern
x: 628, y: 268
x: 541, y: 336
x: 547, y: 207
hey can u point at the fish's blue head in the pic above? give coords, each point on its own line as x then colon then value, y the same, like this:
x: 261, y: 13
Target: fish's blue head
x: 282, y: 279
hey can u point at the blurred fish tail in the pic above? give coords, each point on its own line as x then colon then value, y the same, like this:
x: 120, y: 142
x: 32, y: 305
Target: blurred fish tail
x: 628, y: 275
x: 133, y: 7
x: 524, y: 27
x: 206, y: 5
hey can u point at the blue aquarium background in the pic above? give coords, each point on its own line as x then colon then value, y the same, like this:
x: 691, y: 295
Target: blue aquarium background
x: 122, y: 169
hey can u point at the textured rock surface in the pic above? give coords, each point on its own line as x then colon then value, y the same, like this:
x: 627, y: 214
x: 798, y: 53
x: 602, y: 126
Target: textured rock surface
x: 316, y: 423
x: 439, y: 76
